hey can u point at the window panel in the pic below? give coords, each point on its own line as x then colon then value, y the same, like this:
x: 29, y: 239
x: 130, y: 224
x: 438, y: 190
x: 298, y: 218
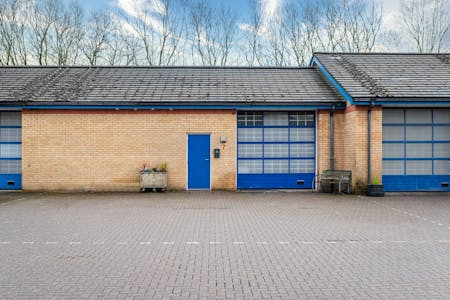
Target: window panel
x: 254, y: 166
x: 250, y: 134
x: 302, y: 166
x: 442, y: 133
x: 275, y: 134
x: 419, y: 150
x: 250, y: 150
x: 10, y: 134
x: 10, y: 119
x: 276, y: 166
x: 301, y: 150
x: 301, y: 119
x: 276, y: 150
x: 10, y: 166
x: 422, y: 116
x: 302, y: 134
x: 441, y: 167
x: 441, y: 116
x: 249, y: 119
x: 393, y: 150
x: 393, y: 116
x: 393, y: 133
x: 393, y: 167
x: 276, y: 119
x: 442, y: 150
x: 10, y: 150
x: 419, y: 167
x: 418, y: 133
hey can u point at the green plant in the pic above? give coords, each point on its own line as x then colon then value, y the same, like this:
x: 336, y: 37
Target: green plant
x: 376, y: 181
x: 163, y: 167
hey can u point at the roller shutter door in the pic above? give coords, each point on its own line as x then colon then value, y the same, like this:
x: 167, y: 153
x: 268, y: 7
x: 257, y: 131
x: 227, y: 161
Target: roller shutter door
x: 416, y: 149
x: 10, y: 151
x: 276, y: 150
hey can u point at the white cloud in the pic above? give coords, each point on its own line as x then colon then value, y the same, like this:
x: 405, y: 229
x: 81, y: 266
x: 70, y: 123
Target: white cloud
x: 144, y: 11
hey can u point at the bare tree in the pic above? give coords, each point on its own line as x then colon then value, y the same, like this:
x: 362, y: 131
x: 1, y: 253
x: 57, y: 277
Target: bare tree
x: 68, y: 32
x: 97, y: 36
x: 362, y: 23
x: 160, y: 28
x: 43, y: 16
x: 252, y: 48
x: 427, y: 23
x: 213, y: 33
x: 13, y: 47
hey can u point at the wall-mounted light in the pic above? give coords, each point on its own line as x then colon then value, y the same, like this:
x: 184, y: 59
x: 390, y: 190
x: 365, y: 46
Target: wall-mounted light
x: 223, y: 139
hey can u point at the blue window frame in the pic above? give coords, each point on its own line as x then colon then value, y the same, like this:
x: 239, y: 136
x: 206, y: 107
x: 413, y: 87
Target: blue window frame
x: 416, y: 149
x: 10, y: 150
x: 276, y: 149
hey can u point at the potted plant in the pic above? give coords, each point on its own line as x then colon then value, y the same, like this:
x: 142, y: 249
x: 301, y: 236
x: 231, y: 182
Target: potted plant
x: 375, y: 189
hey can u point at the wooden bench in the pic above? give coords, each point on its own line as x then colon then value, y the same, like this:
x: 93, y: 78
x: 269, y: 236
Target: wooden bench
x: 330, y: 178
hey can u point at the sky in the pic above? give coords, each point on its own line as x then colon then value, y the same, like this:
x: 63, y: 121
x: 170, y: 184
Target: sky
x: 390, y: 7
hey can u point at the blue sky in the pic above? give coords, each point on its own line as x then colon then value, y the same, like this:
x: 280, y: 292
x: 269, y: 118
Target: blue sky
x: 389, y: 6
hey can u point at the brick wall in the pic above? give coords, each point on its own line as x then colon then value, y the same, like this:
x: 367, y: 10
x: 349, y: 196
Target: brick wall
x: 102, y: 150
x: 350, y: 142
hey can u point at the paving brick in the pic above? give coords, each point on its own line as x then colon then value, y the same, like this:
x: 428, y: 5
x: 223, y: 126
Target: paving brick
x: 338, y: 247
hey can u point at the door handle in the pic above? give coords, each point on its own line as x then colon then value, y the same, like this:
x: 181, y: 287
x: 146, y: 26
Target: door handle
x: 206, y: 158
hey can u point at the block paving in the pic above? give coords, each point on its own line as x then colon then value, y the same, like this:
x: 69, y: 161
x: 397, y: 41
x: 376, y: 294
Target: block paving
x: 224, y: 245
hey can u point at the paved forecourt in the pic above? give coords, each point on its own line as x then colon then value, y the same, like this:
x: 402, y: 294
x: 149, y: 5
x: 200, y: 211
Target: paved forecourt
x: 223, y: 245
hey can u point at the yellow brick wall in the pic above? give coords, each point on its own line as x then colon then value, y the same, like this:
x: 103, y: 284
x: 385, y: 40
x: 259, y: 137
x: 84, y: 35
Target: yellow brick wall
x: 102, y: 150
x: 350, y: 142
x: 323, y: 140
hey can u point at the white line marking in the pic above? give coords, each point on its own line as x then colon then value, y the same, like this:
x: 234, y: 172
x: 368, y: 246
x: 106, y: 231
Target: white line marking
x: 5, y: 243
x: 145, y: 243
x: 168, y: 243
x: 330, y: 242
x: 75, y: 243
x: 51, y: 243
x: 121, y: 243
x: 307, y: 242
x: 444, y: 241
x: 29, y: 243
x: 284, y: 243
x: 377, y: 242
x: 433, y: 222
x: 98, y: 243
x: 398, y: 241
x: 261, y: 243
x: 440, y: 224
x: 192, y: 243
x: 215, y: 243
x: 238, y: 243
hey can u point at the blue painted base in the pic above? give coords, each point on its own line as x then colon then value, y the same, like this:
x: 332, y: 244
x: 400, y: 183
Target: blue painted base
x: 10, y: 181
x: 274, y: 181
x: 416, y: 183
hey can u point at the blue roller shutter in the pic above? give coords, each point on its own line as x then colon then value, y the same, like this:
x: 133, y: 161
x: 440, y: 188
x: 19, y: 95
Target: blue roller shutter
x: 276, y: 149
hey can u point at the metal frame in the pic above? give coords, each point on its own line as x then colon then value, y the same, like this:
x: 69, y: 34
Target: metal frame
x: 13, y: 176
x: 413, y: 178
x: 289, y: 158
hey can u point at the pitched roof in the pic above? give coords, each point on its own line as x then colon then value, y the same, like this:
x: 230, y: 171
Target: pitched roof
x: 164, y: 85
x: 390, y: 75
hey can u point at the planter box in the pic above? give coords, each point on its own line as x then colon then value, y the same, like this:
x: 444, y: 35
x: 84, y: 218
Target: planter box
x: 375, y: 190
x: 153, y: 180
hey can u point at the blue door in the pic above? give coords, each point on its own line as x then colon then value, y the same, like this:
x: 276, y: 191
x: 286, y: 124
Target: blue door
x: 198, y: 162
x: 416, y: 149
x: 10, y: 150
x: 276, y: 150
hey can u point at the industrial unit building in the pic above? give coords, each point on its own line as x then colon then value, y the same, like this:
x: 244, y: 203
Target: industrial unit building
x: 384, y: 116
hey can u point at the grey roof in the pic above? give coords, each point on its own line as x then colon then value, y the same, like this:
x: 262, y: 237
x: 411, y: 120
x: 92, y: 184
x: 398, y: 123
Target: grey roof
x: 164, y: 85
x: 390, y: 75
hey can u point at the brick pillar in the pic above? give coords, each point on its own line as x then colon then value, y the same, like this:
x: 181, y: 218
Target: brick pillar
x: 323, y: 140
